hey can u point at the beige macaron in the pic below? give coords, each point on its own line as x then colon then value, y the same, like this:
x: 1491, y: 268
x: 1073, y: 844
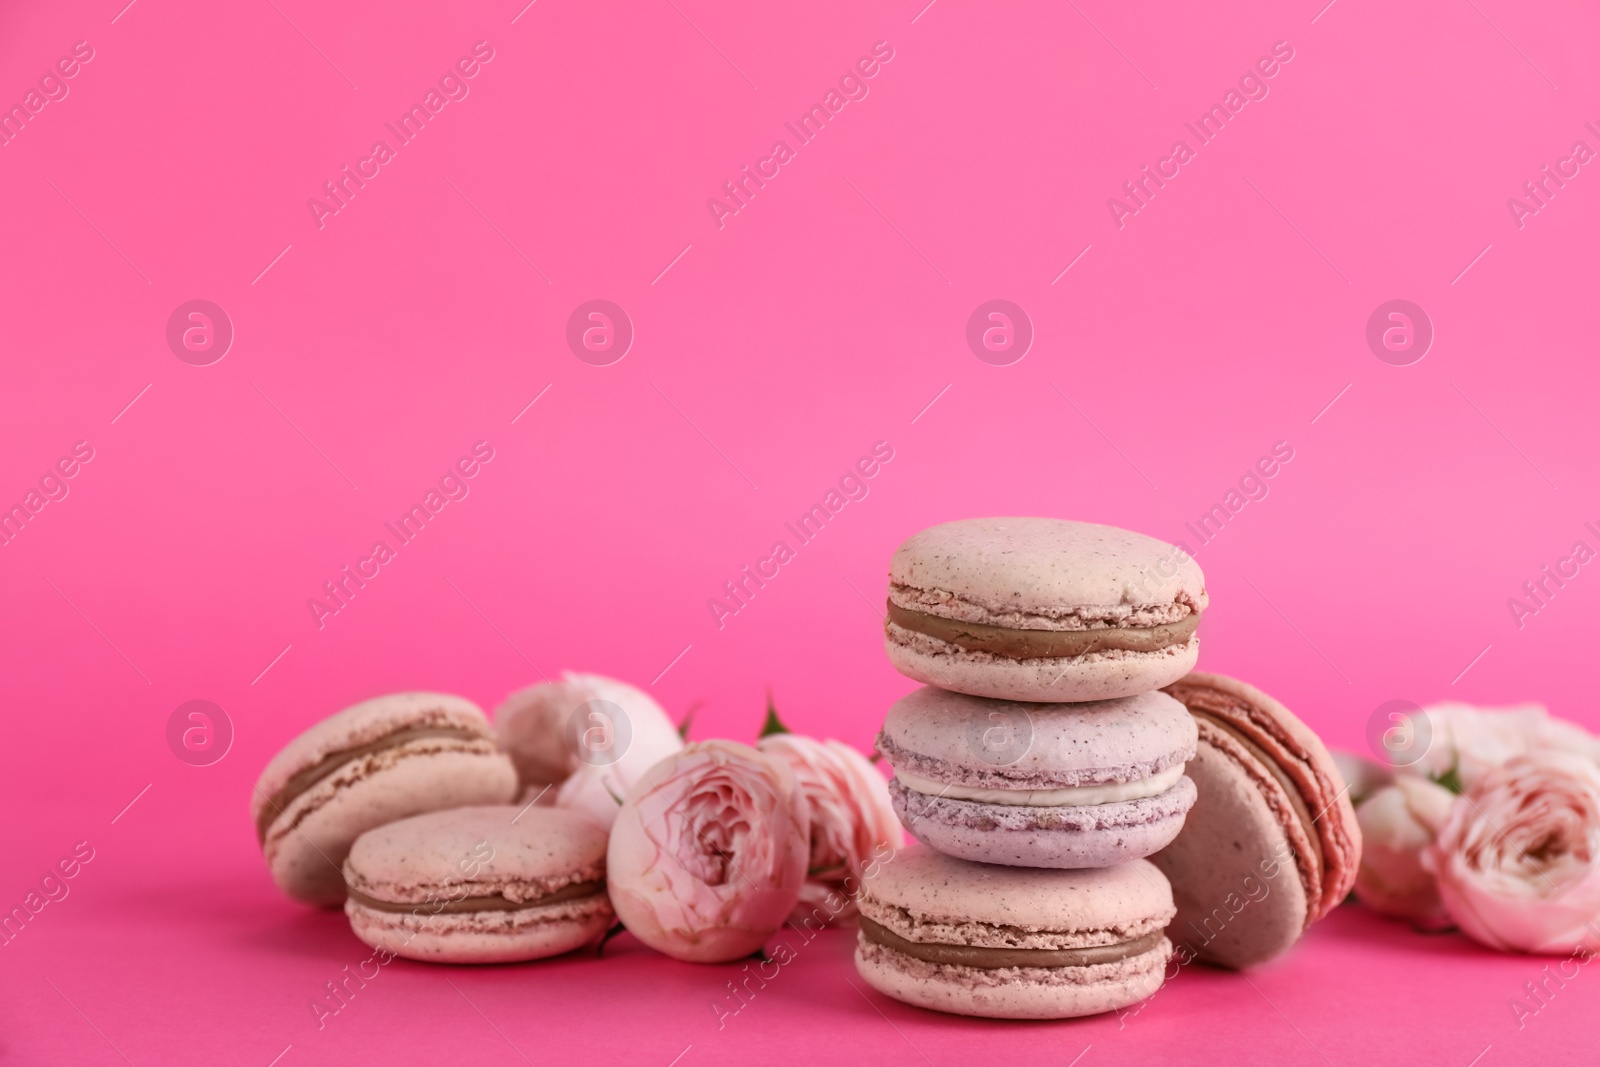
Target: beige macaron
x: 370, y: 764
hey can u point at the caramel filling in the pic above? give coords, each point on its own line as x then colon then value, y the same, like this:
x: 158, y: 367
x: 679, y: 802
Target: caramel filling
x: 301, y: 781
x: 1043, y: 644
x: 493, y: 902
x: 992, y: 958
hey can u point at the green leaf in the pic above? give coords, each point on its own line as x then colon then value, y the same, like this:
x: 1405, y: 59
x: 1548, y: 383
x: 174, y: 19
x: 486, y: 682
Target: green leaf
x: 688, y: 720
x: 1450, y: 779
x: 773, y: 725
x: 613, y: 932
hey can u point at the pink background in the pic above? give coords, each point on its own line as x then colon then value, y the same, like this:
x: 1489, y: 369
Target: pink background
x: 825, y: 316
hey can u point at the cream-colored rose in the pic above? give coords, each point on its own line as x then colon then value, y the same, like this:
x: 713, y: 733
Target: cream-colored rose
x: 1518, y: 862
x: 852, y: 819
x: 583, y: 741
x: 1471, y: 741
x: 1362, y: 777
x: 1397, y: 822
x: 708, y: 853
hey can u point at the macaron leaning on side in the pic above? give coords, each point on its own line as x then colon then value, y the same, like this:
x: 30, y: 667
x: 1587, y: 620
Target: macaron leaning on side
x: 480, y: 885
x: 1272, y: 844
x: 373, y: 763
x: 1011, y: 942
x: 1040, y: 785
x: 1042, y: 610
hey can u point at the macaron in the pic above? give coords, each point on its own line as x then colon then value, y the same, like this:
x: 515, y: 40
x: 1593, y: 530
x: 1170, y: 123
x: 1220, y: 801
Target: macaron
x: 1040, y: 785
x: 375, y: 762
x: 1272, y: 843
x: 480, y: 885
x: 1042, y: 609
x: 1013, y: 943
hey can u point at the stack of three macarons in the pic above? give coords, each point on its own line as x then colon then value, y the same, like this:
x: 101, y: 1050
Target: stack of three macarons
x: 1042, y: 763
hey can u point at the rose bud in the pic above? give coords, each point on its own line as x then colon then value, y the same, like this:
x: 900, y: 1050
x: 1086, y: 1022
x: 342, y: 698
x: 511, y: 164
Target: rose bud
x: 1397, y: 822
x: 1518, y: 861
x: 583, y: 741
x: 708, y: 852
x: 852, y: 820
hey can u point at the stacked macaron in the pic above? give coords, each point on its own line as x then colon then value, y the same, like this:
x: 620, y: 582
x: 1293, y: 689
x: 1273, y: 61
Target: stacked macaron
x: 1039, y: 767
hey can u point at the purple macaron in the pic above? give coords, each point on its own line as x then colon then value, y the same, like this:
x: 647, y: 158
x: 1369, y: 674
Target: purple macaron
x: 1040, y: 785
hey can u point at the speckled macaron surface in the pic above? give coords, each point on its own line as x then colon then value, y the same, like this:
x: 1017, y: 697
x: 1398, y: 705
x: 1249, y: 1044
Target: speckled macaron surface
x: 1010, y: 942
x: 492, y: 884
x: 370, y: 764
x: 1040, y: 785
x: 1272, y: 843
x: 1042, y: 609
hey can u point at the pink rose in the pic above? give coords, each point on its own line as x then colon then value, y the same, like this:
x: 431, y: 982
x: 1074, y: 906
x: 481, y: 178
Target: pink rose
x: 583, y: 741
x: 1474, y: 741
x: 1518, y: 862
x: 852, y: 820
x: 708, y: 852
x: 1397, y: 822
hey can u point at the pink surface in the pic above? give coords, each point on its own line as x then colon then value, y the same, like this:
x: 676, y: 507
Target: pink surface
x: 1169, y: 350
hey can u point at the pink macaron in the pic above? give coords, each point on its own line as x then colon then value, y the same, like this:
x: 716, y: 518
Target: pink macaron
x: 480, y: 885
x: 1040, y: 785
x: 1042, y: 609
x: 1013, y: 943
x: 1272, y: 844
x: 370, y: 764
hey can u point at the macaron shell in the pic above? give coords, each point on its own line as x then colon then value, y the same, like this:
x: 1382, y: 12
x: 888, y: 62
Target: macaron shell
x: 927, y: 897
x: 519, y: 854
x: 362, y: 724
x: 1046, y: 566
x: 306, y: 846
x: 1239, y: 892
x: 478, y: 850
x: 947, y: 737
x: 1068, y: 837
x: 487, y: 936
x: 1097, y: 676
x: 1013, y: 992
x: 942, y: 896
x: 1299, y: 755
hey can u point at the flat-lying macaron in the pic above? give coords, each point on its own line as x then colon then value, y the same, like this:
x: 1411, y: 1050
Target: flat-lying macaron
x: 1042, y: 609
x: 1040, y: 785
x: 1013, y: 943
x: 372, y: 763
x: 1272, y: 843
x: 480, y: 885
